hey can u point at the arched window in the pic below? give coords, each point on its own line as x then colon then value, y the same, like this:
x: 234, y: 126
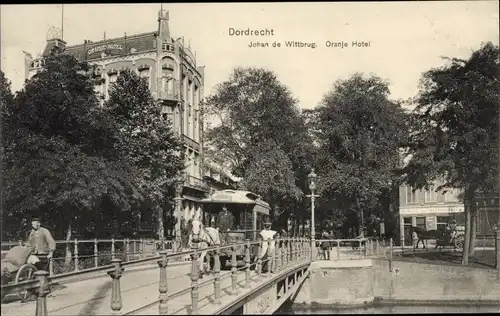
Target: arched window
x: 144, y: 73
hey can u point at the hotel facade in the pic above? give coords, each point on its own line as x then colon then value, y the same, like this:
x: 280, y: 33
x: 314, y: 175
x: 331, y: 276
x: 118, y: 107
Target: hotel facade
x: 175, y: 79
x: 431, y: 210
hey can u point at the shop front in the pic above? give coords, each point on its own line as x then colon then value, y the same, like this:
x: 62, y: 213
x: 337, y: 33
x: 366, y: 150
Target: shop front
x: 428, y: 218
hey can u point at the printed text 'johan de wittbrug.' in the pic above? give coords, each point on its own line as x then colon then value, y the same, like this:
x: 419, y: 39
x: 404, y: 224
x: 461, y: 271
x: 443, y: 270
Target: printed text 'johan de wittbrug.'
x: 266, y: 33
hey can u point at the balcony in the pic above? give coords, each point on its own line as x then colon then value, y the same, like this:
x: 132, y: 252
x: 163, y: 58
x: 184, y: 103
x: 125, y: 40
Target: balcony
x: 168, y: 96
x: 195, y: 183
x: 190, y: 142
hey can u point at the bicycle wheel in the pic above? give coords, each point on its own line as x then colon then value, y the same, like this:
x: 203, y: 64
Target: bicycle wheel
x: 26, y: 272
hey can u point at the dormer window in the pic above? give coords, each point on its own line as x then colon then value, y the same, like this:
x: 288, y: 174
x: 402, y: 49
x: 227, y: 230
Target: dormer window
x: 167, y: 47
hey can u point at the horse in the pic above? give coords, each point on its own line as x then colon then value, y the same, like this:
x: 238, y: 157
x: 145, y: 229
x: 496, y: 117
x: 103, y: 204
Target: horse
x: 423, y: 235
x: 205, y: 237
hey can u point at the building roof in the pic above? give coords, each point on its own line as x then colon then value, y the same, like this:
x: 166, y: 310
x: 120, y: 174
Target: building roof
x: 89, y: 50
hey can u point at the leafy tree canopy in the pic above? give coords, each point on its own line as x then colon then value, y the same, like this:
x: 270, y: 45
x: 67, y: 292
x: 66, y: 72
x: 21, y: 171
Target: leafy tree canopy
x: 256, y: 113
x: 359, y: 132
x: 144, y: 138
x: 59, y: 160
x: 455, y: 135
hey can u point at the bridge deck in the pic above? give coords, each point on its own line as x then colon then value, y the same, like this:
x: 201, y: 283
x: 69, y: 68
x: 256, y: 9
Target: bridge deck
x: 139, y: 289
x: 92, y: 296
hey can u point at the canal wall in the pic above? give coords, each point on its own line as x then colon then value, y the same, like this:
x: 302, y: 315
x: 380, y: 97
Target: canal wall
x: 360, y: 282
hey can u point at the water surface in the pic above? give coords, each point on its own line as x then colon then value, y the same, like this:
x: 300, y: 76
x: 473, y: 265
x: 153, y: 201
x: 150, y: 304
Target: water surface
x: 391, y: 310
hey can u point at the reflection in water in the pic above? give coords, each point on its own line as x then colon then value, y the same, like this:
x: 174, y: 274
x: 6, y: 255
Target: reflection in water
x: 391, y: 310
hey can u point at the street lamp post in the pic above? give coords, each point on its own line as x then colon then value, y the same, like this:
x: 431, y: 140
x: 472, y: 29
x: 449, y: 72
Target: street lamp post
x: 178, y: 186
x: 312, y: 186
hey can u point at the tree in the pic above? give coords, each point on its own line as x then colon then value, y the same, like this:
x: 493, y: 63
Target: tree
x: 270, y: 174
x: 59, y: 159
x: 144, y: 138
x: 254, y: 109
x: 456, y: 133
x: 359, y: 132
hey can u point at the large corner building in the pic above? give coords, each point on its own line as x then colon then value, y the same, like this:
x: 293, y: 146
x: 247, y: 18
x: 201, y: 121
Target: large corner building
x: 175, y: 79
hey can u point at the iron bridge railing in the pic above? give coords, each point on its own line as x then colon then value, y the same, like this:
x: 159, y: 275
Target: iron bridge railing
x: 281, y: 254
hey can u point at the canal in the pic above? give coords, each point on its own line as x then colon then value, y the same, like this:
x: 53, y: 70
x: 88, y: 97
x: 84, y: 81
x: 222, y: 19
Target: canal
x: 288, y: 309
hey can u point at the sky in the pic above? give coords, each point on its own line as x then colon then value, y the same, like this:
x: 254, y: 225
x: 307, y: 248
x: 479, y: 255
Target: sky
x: 406, y: 38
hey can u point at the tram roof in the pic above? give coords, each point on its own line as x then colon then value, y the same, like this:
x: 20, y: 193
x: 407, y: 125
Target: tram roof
x: 235, y: 197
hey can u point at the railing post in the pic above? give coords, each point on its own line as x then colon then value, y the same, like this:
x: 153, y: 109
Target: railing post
x: 163, y: 286
x: 112, y: 248
x: 20, y: 242
x: 76, y: 254
x: 125, y: 255
x: 279, y: 248
x: 360, y: 248
x: 134, y: 247
x: 42, y: 291
x: 116, y: 295
x: 217, y: 276
x: 234, y: 270
x: 297, y: 250
x: 259, y: 259
x: 304, y: 248
x: 247, y: 263
x: 390, y: 254
x: 141, y: 248
x: 127, y: 249
x: 51, y: 266
x: 194, y: 281
x: 365, y: 250
x: 497, y: 248
x: 377, y: 245
x: 290, y: 250
x: 271, y: 258
x: 96, y: 253
x: 284, y: 254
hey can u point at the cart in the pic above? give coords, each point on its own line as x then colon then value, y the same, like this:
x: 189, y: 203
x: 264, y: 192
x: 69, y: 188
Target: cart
x: 447, y: 239
x: 13, y: 272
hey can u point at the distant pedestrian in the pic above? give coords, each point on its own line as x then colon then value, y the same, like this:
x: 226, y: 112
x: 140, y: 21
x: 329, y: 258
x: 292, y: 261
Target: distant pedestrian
x: 414, y: 237
x: 42, y: 244
x: 325, y: 246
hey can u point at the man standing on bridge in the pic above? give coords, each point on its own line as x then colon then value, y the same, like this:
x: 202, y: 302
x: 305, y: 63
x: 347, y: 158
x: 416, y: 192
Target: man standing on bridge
x: 42, y: 244
x: 226, y: 221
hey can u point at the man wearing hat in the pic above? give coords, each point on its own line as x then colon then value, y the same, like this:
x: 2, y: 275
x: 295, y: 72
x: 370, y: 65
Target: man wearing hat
x: 226, y: 222
x: 266, y: 256
x: 41, y: 243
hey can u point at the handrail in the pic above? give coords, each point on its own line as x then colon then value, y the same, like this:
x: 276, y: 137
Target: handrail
x: 80, y: 260
x: 287, y: 253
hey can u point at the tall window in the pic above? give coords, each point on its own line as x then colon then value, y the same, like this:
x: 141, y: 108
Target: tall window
x: 144, y: 73
x: 431, y: 195
x: 189, y: 92
x: 167, y: 84
x: 442, y: 221
x: 411, y: 197
x: 167, y: 81
x: 421, y: 222
x: 112, y: 78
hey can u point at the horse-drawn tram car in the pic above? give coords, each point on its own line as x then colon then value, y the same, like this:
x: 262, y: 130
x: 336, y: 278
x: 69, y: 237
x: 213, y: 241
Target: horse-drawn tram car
x: 248, y: 212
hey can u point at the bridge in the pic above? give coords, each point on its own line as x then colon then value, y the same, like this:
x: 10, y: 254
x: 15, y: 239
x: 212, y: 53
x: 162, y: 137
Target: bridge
x: 162, y: 284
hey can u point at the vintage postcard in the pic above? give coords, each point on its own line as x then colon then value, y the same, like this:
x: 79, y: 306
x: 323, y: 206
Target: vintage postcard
x: 250, y: 158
